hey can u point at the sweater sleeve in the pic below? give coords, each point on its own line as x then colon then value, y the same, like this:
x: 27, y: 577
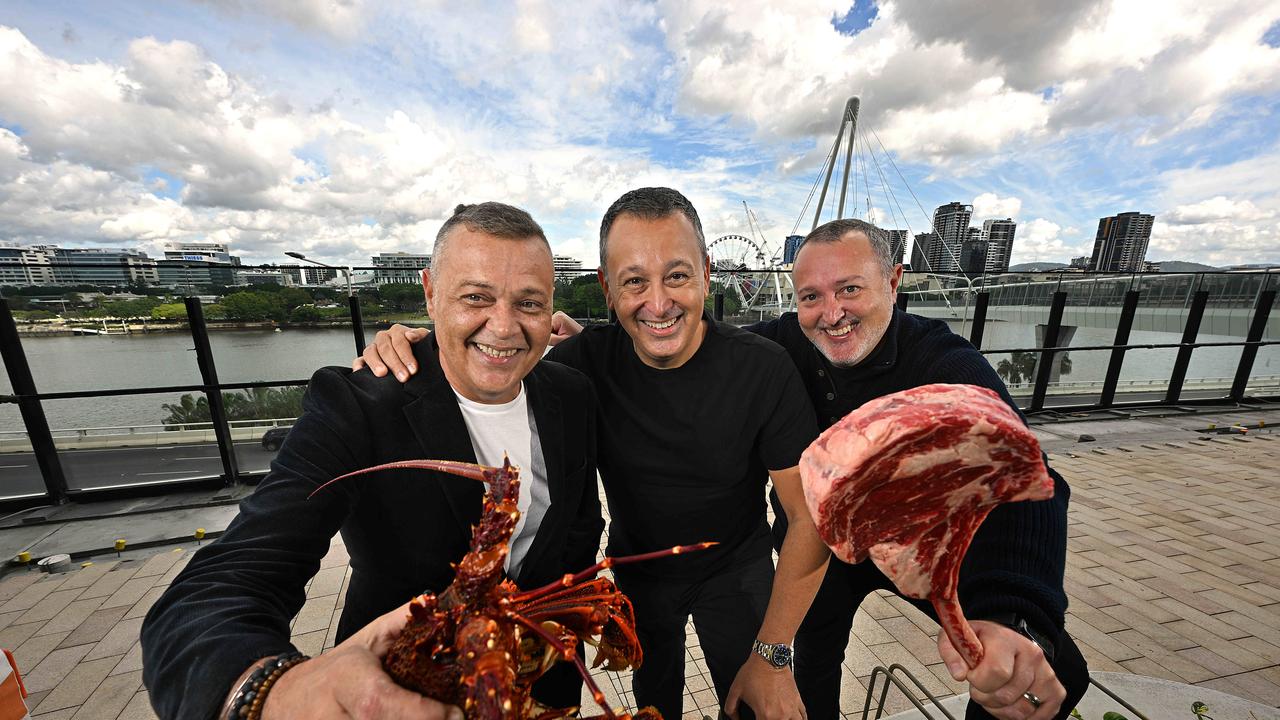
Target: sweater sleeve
x: 1018, y: 556
x: 233, y: 602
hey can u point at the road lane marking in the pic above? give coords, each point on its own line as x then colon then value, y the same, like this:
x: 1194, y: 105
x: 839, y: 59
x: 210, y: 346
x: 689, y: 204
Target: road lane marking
x: 201, y: 457
x: 11, y: 467
x: 166, y: 472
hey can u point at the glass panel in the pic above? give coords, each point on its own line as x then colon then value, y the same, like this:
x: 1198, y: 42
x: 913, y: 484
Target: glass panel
x: 125, y: 441
x: 286, y: 354
x: 19, y: 474
x: 101, y: 362
x: 260, y: 418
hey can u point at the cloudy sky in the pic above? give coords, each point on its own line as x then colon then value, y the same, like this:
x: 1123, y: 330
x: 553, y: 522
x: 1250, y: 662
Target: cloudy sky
x: 344, y: 128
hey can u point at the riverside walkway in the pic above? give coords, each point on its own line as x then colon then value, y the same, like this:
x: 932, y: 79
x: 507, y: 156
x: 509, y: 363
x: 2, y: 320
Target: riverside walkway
x: 1173, y: 572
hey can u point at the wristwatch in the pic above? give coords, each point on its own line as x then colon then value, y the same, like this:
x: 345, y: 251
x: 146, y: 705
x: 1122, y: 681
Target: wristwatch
x: 779, y: 655
x: 1018, y: 624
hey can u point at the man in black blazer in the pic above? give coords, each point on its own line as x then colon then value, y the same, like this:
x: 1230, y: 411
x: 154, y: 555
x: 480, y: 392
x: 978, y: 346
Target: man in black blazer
x: 489, y: 294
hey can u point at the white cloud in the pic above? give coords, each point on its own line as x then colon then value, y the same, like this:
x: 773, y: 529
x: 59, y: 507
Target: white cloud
x: 1042, y: 240
x: 989, y: 205
x: 342, y: 19
x: 1218, y: 208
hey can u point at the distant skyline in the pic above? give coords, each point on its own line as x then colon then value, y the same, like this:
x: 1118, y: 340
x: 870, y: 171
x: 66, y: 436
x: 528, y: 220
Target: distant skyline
x: 342, y: 129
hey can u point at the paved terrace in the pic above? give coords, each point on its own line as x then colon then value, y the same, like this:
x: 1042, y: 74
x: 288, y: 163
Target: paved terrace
x: 1173, y: 572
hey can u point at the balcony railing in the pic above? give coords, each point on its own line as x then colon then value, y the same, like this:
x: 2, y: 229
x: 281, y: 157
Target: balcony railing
x: 1234, y: 305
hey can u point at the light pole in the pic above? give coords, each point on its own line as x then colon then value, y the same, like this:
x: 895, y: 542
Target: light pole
x: 353, y: 300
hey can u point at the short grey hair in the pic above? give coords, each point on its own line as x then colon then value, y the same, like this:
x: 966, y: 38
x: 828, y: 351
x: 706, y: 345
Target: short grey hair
x: 491, y: 218
x: 835, y: 230
x: 650, y: 203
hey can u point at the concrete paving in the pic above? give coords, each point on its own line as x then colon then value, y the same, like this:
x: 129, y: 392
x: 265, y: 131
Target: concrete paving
x: 1173, y: 573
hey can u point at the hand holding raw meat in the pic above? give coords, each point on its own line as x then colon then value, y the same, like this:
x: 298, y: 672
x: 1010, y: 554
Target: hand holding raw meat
x: 906, y: 480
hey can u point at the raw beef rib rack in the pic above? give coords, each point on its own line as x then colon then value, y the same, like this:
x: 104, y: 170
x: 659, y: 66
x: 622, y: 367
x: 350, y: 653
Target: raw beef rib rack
x: 906, y: 480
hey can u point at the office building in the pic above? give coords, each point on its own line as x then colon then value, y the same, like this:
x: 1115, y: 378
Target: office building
x: 566, y: 267
x: 52, y: 265
x: 200, y: 252
x: 998, y: 236
x: 399, y: 267
x: 1121, y: 243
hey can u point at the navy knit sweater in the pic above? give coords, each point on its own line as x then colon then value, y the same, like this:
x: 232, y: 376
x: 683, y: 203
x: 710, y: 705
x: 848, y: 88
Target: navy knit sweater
x: 1016, y: 561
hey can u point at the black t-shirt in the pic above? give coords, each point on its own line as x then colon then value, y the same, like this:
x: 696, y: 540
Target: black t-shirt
x: 684, y: 453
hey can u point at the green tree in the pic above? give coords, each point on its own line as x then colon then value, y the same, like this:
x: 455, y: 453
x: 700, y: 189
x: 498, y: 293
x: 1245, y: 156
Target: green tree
x: 405, y: 297
x: 253, y: 306
x: 304, y: 313
x: 248, y: 404
x: 169, y: 311
x: 732, y: 303
x: 293, y: 297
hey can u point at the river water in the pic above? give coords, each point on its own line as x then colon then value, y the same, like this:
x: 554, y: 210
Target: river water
x: 61, y: 364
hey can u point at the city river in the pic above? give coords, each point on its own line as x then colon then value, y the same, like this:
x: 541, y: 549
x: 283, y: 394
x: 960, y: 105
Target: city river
x: 62, y: 364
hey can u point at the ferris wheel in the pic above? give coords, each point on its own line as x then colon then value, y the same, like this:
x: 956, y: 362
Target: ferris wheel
x: 737, y: 264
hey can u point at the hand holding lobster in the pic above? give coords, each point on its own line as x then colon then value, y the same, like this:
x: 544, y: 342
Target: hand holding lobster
x: 482, y: 642
x: 349, y: 681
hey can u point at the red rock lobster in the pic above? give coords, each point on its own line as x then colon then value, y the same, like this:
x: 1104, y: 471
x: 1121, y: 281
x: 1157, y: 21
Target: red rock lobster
x: 482, y: 642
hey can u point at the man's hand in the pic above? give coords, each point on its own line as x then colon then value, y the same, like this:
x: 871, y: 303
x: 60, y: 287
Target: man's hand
x: 563, y: 327
x: 770, y: 692
x: 392, y: 349
x: 349, y: 682
x: 1011, y: 665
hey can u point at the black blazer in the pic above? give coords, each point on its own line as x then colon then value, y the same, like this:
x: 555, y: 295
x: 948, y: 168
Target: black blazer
x: 233, y: 603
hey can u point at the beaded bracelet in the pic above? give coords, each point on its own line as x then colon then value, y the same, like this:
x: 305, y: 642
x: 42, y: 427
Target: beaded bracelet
x: 247, y: 704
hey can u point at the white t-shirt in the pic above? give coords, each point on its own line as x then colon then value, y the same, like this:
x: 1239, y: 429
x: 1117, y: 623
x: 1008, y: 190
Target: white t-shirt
x: 509, y: 429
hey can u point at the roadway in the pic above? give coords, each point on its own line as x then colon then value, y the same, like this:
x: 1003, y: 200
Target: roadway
x: 112, y: 467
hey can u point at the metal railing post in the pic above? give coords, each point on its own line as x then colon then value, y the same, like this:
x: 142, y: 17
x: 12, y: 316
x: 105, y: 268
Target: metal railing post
x: 979, y: 319
x: 718, y: 313
x: 209, y: 375
x: 46, y: 452
x: 357, y: 322
x: 902, y: 301
x: 1123, y: 326
x: 1046, y: 356
x: 1261, y: 312
x: 1189, y: 333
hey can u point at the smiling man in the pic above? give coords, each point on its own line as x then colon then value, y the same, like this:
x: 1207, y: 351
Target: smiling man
x: 483, y: 393
x: 851, y: 345
x: 695, y: 417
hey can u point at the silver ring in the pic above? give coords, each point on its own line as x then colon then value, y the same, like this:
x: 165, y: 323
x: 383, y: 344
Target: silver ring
x: 1031, y: 698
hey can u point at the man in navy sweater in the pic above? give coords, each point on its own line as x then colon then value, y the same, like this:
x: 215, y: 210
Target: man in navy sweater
x: 852, y: 345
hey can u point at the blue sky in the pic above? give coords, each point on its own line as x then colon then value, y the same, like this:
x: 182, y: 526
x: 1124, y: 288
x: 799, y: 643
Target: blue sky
x: 346, y: 129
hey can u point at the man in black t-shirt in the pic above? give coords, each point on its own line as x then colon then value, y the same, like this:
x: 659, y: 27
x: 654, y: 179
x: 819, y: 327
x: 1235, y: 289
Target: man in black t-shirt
x: 696, y: 416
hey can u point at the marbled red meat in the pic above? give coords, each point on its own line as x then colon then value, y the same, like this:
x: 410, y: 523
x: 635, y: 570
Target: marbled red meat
x: 906, y: 480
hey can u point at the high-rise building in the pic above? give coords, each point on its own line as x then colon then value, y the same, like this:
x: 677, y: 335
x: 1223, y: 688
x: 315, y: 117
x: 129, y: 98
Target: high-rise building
x: 998, y: 235
x: 973, y: 254
x: 790, y: 247
x: 951, y: 224
x: 922, y: 250
x: 1121, y: 242
x: 898, y: 241
x: 399, y: 267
